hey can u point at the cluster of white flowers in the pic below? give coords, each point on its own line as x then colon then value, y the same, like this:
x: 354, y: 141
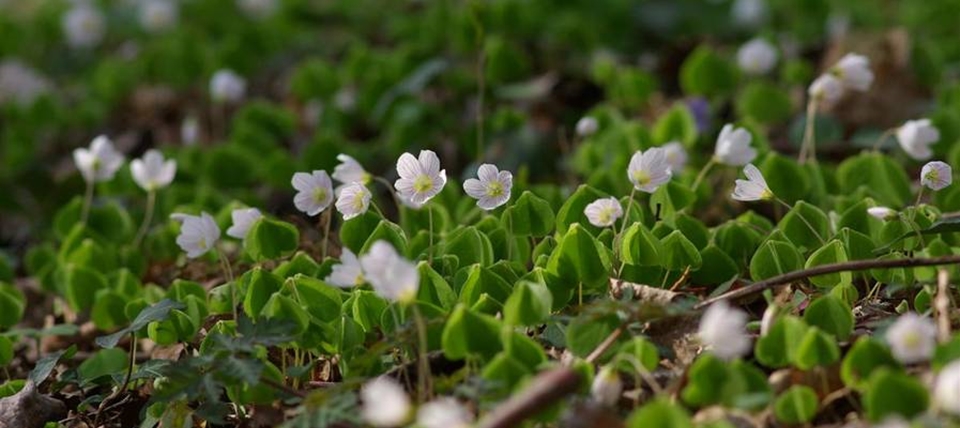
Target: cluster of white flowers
x: 391, y: 276
x: 852, y: 72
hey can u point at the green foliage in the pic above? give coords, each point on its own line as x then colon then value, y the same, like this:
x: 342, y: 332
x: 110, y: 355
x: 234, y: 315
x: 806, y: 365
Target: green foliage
x: 796, y: 405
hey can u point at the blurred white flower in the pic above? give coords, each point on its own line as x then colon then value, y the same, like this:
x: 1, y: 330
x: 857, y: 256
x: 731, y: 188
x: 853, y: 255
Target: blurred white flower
x: 444, y: 413
x: 882, y: 213
x: 733, y: 146
x: 754, y: 188
x: 243, y: 220
x: 158, y: 15
x: 936, y: 175
x: 353, y: 200
x: 749, y: 13
x: 912, y: 338
x: 854, y: 71
x: 723, y: 331
x: 21, y: 84
x: 947, y: 391
x: 348, y: 273
x: 649, y: 170
x: 607, y: 386
x: 190, y: 131
x: 603, y: 212
x: 152, y: 171
x: 826, y: 89
x: 587, y: 126
x: 84, y: 25
x: 420, y: 179
x: 312, y: 113
x: 676, y: 156
x: 391, y: 276
x: 350, y: 171
x: 385, y: 403
x: 100, y: 162
x: 314, y: 191
x: 345, y: 99
x: 758, y: 56
x: 916, y: 137
x: 198, y: 234
x: 258, y: 9
x: 492, y: 189
x: 227, y: 86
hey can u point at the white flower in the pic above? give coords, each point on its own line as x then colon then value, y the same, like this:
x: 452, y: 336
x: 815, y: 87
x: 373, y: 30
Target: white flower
x: 20, y: 83
x: 733, y: 146
x: 190, y: 131
x: 587, y: 126
x: 350, y: 171
x: 243, y: 220
x: 258, y: 9
x: 420, y: 179
x: 84, y: 26
x: 749, y: 13
x: 492, y: 189
x: 757, y: 56
x: 947, y: 391
x: 826, y: 89
x: 100, y: 162
x: 353, y: 200
x: 854, y: 71
x: 345, y: 99
x: 912, y: 338
x: 314, y: 191
x: 385, y: 403
x: 348, y: 273
x: 158, y: 15
x: 603, y: 212
x: 676, y: 156
x: 227, y: 86
x: 312, y: 113
x: 916, y: 136
x: 391, y: 276
x: 606, y: 387
x: 198, y: 234
x: 936, y: 175
x: 444, y: 413
x: 649, y: 170
x: 152, y: 172
x: 723, y: 330
x: 882, y: 213
x: 754, y: 188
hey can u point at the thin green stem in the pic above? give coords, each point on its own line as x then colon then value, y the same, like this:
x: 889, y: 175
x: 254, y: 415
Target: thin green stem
x: 87, y: 202
x: 393, y: 193
x: 147, y: 218
x: 703, y: 173
x: 326, y: 219
x: 423, y: 372
x: 623, y: 227
x: 430, y: 250
x: 225, y: 265
x: 808, y: 146
x: 883, y: 137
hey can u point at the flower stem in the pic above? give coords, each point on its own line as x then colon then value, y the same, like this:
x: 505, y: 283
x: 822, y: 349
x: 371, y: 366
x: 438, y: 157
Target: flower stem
x: 882, y: 138
x: 147, y: 217
x: 385, y: 183
x: 87, y: 202
x: 326, y: 220
x: 807, y: 147
x: 703, y: 173
x: 423, y: 372
x: 623, y: 227
x: 430, y: 248
x: 225, y: 265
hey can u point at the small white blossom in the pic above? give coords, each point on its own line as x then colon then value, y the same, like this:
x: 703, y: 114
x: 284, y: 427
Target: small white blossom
x: 348, y: 273
x: 916, y: 137
x: 84, y: 25
x: 227, y: 86
x: 314, y: 191
x: 676, y: 156
x: 158, y: 15
x: 882, y: 213
x: 854, y: 71
x: 345, y: 99
x: 649, y: 170
x: 391, y: 276
x: 312, y: 113
x: 492, y: 189
x: 243, y: 220
x: 198, y: 234
x: 20, y: 83
x: 190, y: 131
x: 947, y: 391
x: 733, y: 146
x: 100, y: 162
x: 912, y: 338
x: 749, y: 13
x: 350, y: 171
x: 606, y: 387
x: 353, y: 200
x: 587, y: 126
x: 936, y: 175
x: 258, y: 9
x: 754, y: 188
x: 385, y: 403
x: 444, y: 413
x: 826, y: 89
x: 757, y: 57
x: 420, y: 179
x: 152, y: 171
x: 603, y: 212
x: 723, y: 330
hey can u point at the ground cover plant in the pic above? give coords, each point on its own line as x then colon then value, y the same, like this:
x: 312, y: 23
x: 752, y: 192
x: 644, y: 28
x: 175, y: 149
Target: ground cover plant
x: 492, y: 213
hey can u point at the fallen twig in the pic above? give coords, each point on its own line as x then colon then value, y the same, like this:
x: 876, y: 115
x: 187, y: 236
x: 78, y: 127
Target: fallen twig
x: 545, y: 389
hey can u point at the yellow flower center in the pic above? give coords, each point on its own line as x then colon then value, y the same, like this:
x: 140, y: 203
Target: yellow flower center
x: 423, y: 183
x: 358, y: 202
x: 319, y: 195
x: 494, y: 189
x: 766, y: 195
x: 202, y: 243
x: 911, y: 341
x: 933, y: 175
x: 606, y: 215
x: 641, y: 177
